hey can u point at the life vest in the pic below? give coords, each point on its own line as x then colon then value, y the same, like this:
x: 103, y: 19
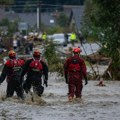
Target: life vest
x: 14, y: 67
x: 74, y: 65
x: 44, y: 37
x: 36, y: 66
x: 73, y: 37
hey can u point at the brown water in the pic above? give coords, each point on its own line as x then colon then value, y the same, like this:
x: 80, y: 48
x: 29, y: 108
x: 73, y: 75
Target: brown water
x: 98, y: 103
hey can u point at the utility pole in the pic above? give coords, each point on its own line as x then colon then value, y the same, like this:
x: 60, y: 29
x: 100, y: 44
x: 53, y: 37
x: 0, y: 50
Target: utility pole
x: 39, y: 16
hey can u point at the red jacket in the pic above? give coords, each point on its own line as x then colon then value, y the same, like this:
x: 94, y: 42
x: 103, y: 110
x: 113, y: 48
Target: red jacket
x: 9, y: 68
x: 81, y: 67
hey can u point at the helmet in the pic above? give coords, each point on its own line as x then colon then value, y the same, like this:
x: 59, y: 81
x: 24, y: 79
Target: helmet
x: 12, y: 53
x: 36, y: 53
x: 77, y: 50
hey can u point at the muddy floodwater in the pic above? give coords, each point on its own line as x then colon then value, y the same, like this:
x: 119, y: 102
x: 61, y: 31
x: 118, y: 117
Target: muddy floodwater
x: 98, y: 103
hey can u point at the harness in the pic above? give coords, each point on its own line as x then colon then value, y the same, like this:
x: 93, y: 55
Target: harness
x: 74, y: 65
x: 36, y: 65
x: 15, y: 67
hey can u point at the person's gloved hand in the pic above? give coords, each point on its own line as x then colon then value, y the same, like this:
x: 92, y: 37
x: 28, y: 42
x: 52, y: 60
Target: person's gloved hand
x: 66, y: 79
x: 45, y: 83
x: 86, y: 80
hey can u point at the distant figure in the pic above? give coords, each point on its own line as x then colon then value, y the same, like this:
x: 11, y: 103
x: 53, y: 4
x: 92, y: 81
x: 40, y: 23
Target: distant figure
x: 31, y: 46
x: 44, y: 37
x: 80, y: 37
x: 66, y: 37
x: 18, y: 43
x: 73, y: 38
x: 15, y: 44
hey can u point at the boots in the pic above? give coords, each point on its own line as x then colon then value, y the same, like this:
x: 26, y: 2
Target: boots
x: 70, y: 98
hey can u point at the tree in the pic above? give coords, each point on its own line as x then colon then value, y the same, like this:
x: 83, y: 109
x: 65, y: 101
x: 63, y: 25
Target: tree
x: 28, y: 7
x: 88, y: 11
x: 62, y: 20
x: 6, y: 2
x: 105, y: 18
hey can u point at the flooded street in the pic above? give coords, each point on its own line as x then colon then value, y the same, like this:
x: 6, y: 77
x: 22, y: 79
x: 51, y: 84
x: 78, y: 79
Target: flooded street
x: 98, y: 103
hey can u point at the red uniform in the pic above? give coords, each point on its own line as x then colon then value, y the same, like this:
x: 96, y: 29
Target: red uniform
x: 35, y: 69
x: 13, y: 65
x: 12, y: 70
x: 75, y: 69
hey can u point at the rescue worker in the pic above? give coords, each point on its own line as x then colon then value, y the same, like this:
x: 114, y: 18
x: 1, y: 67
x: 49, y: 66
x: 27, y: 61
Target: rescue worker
x: 44, y: 37
x: 80, y: 37
x: 35, y: 68
x: 66, y: 37
x: 12, y: 70
x: 75, y: 70
x: 73, y: 38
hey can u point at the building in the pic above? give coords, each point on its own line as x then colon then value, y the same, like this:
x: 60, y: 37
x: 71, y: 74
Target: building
x: 48, y: 19
x: 2, y: 14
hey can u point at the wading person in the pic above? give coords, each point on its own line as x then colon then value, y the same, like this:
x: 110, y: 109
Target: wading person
x: 75, y: 70
x: 35, y: 68
x: 12, y: 70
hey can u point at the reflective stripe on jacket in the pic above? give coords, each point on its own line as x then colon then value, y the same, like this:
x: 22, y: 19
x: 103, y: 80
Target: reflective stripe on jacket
x: 44, y: 37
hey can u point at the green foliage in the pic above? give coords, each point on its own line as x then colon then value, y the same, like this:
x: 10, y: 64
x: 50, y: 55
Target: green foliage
x: 28, y: 8
x: 4, y: 22
x: 104, y: 23
x: 62, y: 20
x: 56, y: 29
x: 7, y: 41
x: 88, y: 28
x: 11, y: 25
x: 6, y: 2
x: 54, y: 62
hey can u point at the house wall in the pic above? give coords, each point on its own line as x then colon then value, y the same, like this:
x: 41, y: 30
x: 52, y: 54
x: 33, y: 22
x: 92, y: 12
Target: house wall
x: 2, y: 14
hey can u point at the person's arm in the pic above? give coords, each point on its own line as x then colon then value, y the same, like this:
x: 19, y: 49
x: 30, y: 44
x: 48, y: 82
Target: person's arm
x: 45, y: 73
x: 20, y: 78
x: 3, y: 74
x: 84, y: 72
x: 45, y: 69
x: 25, y: 67
x: 66, y: 64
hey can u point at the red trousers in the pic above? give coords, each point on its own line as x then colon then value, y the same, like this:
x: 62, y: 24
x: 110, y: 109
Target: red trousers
x: 75, y: 84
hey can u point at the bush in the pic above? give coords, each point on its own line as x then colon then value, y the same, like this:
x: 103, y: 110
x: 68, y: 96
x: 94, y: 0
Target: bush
x: 55, y: 64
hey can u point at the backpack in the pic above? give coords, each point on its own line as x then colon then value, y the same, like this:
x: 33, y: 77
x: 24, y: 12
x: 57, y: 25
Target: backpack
x: 74, y: 65
x: 36, y: 66
x: 15, y: 68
